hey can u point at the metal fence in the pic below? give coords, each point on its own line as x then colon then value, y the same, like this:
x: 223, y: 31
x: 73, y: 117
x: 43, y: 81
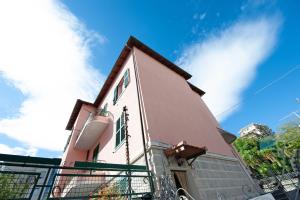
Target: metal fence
x: 95, y: 181
x: 288, y: 182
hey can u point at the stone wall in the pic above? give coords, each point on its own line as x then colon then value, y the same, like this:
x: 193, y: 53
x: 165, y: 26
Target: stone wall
x: 210, y: 176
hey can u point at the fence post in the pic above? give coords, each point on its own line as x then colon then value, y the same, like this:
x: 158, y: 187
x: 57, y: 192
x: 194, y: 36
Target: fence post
x: 44, y: 183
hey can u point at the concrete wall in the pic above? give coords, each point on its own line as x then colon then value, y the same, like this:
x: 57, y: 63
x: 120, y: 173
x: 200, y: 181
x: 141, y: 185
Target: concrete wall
x: 210, y: 176
x: 174, y: 112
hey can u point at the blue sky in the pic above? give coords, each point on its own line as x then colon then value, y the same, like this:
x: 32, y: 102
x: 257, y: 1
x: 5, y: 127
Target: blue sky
x: 54, y: 52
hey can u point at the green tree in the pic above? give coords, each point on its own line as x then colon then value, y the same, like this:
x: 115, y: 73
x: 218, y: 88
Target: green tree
x: 12, y: 187
x: 273, y: 159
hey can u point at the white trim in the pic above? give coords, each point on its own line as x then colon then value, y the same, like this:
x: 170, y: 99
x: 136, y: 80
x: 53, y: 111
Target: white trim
x: 119, y: 146
x: 144, y: 115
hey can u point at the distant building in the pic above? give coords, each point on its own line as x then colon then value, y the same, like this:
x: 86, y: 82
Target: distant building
x: 255, y: 130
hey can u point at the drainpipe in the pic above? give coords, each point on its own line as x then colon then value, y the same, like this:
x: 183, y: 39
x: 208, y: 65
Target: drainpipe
x: 141, y: 116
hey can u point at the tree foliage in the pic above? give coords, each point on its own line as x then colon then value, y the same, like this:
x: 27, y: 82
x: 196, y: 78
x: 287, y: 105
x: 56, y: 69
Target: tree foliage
x: 274, y: 159
x: 12, y: 187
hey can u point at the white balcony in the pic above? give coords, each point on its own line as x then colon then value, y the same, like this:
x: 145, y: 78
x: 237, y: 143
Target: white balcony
x: 93, y: 128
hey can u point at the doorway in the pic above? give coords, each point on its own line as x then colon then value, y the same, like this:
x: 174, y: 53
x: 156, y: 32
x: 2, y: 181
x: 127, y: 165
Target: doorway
x: 180, y: 180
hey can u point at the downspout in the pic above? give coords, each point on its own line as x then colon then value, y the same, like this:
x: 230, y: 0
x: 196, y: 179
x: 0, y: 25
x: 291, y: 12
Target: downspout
x: 141, y: 116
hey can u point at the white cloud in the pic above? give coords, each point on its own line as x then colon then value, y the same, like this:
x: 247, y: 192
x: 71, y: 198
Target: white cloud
x: 224, y: 64
x: 18, y: 150
x: 45, y: 53
x: 202, y: 16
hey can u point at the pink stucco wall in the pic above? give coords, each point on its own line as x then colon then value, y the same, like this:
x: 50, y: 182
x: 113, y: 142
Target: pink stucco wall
x: 71, y: 154
x: 107, y: 151
x: 175, y: 112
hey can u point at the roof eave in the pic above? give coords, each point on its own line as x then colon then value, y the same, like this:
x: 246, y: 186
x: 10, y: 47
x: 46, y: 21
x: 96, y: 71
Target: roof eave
x: 196, y: 89
x: 133, y: 42
x: 75, y: 112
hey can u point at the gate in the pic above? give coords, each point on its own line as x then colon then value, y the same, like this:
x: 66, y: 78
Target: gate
x: 34, y: 178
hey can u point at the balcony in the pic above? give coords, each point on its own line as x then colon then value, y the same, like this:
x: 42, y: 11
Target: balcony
x: 93, y: 128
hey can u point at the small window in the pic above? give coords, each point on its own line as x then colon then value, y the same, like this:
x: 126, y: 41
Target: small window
x: 104, y: 111
x: 126, y: 78
x: 115, y: 95
x: 120, y: 130
x: 95, y: 153
x: 121, y: 86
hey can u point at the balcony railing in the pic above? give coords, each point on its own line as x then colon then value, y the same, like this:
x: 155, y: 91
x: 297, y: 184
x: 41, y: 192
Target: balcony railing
x: 93, y: 128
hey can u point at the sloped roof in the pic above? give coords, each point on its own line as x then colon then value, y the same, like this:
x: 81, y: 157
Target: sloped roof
x: 132, y: 42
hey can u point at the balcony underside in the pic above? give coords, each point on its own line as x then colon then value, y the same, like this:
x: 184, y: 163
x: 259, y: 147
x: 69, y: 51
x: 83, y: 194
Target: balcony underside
x: 91, y: 132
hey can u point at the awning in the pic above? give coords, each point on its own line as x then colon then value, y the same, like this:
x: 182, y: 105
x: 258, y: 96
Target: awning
x: 183, y: 150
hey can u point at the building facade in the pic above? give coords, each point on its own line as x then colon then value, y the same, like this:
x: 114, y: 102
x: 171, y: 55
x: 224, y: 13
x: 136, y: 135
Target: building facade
x: 255, y: 130
x: 171, y: 129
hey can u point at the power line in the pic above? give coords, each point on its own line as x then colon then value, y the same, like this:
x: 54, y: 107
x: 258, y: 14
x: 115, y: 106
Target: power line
x: 277, y: 80
x: 295, y: 113
x: 260, y: 90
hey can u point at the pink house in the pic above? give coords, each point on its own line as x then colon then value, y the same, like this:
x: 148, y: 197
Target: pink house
x: 164, y: 110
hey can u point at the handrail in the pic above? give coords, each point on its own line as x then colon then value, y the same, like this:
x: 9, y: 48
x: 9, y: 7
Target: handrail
x: 108, y: 166
x: 70, y: 168
x: 29, y: 159
x: 186, y: 192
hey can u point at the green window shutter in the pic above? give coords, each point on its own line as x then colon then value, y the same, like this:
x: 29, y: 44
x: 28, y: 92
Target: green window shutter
x: 118, y: 138
x: 122, y: 133
x: 115, y: 95
x: 120, y: 129
x: 126, y: 78
x: 122, y: 126
x: 122, y: 119
x: 103, y: 111
x: 118, y: 125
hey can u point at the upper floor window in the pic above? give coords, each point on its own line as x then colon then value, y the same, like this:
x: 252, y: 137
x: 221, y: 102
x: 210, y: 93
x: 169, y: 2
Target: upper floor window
x: 103, y: 111
x: 121, y: 86
x: 120, y: 130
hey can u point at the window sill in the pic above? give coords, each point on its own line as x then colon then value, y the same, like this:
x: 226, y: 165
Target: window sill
x: 119, y: 146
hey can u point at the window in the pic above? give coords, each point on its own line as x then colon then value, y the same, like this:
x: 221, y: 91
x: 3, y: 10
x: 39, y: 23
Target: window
x: 95, y: 153
x: 103, y: 111
x: 120, y: 130
x: 121, y: 86
x: 126, y: 78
